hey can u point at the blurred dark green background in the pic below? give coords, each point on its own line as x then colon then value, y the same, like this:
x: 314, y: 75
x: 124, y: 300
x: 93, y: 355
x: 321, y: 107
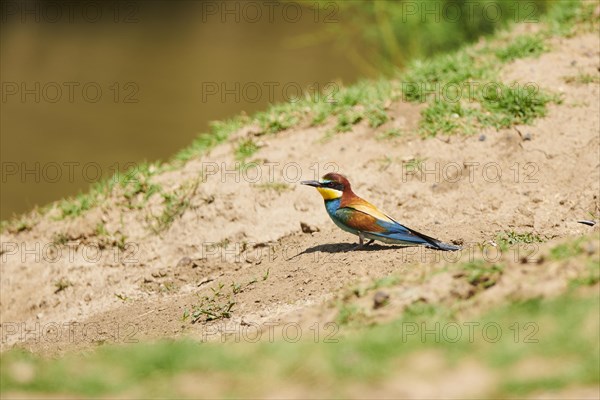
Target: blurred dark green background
x: 152, y: 63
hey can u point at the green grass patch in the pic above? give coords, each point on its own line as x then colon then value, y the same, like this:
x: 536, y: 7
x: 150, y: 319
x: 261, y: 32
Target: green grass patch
x: 508, y: 239
x: 522, y: 47
x: 569, y: 17
x: 134, y: 181
x: 582, y: 79
x: 218, y: 133
x: 493, y: 104
x: 390, y: 134
x: 347, y: 120
x: 443, y: 117
x: 18, y: 224
x: 425, y: 77
x: 481, y: 274
x: 280, y: 117
x: 376, y: 116
x: 350, y: 314
x: 350, y: 105
x: 515, y: 105
x: 463, y: 93
x: 567, y: 250
x: 245, y: 149
x: 75, y: 206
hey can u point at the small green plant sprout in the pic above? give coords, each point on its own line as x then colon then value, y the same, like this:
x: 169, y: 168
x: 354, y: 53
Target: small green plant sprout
x: 413, y: 165
x: 174, y: 206
x: 215, y: 306
x: 384, y: 162
x: 62, y: 284
x: 390, y: 134
x: 236, y: 287
x: 266, y: 275
x: 121, y: 297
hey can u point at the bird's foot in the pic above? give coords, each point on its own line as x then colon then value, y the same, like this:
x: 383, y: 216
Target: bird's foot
x: 361, y: 245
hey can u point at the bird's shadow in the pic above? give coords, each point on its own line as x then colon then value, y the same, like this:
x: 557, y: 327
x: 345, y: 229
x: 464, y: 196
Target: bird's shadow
x: 333, y: 248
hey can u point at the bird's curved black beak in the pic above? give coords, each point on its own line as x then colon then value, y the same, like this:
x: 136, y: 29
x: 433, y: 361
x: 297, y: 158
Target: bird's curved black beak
x: 312, y: 183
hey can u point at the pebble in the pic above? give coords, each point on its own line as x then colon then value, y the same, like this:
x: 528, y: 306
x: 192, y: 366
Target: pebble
x: 185, y: 262
x: 306, y: 228
x: 380, y: 299
x: 482, y: 138
x: 527, y: 137
x: 299, y: 206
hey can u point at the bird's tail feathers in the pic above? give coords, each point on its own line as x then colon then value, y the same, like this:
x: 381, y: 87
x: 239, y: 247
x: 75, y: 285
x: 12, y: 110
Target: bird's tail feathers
x: 436, y: 244
x: 446, y: 246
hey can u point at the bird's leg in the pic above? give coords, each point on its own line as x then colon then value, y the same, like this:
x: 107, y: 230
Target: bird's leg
x: 361, y: 242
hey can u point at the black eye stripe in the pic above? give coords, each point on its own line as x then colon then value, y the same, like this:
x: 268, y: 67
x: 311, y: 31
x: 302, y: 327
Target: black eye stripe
x: 334, y: 185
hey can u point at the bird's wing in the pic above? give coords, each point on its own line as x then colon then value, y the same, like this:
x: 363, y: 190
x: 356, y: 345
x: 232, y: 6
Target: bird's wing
x: 364, y: 206
x: 371, y: 210
x: 359, y: 220
x: 361, y: 215
x: 365, y: 217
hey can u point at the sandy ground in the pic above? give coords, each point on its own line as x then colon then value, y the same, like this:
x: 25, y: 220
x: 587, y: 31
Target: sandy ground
x: 540, y: 179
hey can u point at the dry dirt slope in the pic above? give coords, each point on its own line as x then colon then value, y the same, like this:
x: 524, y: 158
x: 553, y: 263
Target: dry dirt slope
x: 246, y: 233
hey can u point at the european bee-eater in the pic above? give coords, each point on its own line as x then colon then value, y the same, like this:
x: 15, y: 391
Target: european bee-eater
x: 358, y: 216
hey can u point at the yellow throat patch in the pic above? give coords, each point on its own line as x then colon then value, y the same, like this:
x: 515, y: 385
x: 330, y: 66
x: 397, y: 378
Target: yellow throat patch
x: 329, y: 194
